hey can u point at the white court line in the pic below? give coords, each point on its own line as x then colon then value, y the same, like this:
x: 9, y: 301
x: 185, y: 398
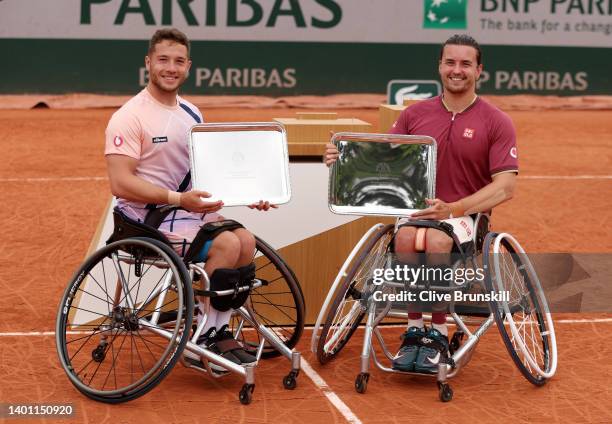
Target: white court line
x: 578, y: 321
x: 329, y: 393
x: 76, y: 179
x: 555, y: 321
x: 51, y: 179
x: 35, y: 333
x: 310, y: 327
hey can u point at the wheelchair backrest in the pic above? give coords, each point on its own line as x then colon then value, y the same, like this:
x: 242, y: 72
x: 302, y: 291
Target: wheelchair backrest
x: 126, y: 227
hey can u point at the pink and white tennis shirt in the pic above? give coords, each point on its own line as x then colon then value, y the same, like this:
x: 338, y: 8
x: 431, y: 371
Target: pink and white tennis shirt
x: 157, y: 136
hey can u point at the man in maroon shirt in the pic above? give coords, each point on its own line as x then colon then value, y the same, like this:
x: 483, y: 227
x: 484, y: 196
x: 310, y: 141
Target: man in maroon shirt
x: 475, y: 171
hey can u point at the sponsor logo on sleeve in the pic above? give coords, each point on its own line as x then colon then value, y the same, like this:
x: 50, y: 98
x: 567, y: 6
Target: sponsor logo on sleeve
x: 159, y: 140
x: 118, y: 141
x: 513, y: 153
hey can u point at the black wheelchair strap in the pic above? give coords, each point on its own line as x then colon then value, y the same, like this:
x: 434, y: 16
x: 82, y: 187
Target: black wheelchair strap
x: 185, y: 183
x: 208, y: 232
x: 156, y: 216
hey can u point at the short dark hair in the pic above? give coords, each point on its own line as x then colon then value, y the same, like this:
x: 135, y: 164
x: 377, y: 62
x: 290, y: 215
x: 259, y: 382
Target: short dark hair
x: 463, y: 40
x: 171, y: 34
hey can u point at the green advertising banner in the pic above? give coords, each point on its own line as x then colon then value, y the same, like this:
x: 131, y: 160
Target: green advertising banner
x: 289, y: 47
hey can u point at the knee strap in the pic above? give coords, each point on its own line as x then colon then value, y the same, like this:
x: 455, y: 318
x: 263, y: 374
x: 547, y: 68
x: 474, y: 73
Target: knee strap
x: 209, y: 231
x: 224, y: 279
x: 231, y: 279
x: 247, y: 275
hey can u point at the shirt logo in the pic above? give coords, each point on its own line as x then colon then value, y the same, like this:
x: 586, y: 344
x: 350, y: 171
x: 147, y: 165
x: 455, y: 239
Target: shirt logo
x: 159, y: 140
x: 513, y: 153
x: 468, y: 133
x: 466, y: 228
x: 118, y: 141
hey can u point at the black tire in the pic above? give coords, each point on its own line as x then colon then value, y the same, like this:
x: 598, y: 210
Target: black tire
x: 351, y: 287
x: 95, y: 317
x: 279, y: 305
x: 525, y: 305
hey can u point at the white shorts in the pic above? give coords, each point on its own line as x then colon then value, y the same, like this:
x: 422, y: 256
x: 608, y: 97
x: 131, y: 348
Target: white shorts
x: 463, y: 227
x: 182, y: 226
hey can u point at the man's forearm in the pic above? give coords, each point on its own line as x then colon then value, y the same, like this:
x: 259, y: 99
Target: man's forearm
x: 485, y: 199
x: 133, y: 188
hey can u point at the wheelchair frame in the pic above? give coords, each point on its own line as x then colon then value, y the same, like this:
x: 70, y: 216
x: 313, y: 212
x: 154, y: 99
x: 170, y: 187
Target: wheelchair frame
x: 125, y: 316
x: 342, y: 291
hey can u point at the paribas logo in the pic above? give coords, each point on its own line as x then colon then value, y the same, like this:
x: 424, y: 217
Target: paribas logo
x: 445, y: 14
x: 322, y: 14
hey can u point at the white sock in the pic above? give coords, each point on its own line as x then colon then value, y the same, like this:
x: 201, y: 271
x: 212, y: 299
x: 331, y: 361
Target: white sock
x: 223, y: 318
x: 442, y: 328
x: 416, y: 323
x: 211, y: 320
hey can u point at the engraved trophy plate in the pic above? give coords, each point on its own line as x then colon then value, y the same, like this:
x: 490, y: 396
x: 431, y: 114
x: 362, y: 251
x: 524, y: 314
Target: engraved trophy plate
x: 382, y: 174
x: 240, y: 163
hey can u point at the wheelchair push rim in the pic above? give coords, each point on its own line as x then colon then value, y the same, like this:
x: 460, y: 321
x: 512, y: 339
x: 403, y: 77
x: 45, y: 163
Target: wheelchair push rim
x: 531, y: 340
x: 279, y: 305
x: 348, y: 308
x: 107, y: 342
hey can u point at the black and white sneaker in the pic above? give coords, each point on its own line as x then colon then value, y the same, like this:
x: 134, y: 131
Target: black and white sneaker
x: 226, y: 342
x: 208, y: 341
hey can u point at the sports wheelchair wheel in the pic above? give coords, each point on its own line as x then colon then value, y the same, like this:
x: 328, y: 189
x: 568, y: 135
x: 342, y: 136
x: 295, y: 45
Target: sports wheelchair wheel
x: 524, y: 322
x: 107, y: 336
x: 348, y: 308
x: 279, y: 305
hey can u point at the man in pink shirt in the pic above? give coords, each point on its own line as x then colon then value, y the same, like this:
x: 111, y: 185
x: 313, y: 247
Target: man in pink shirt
x: 475, y: 171
x: 148, y: 165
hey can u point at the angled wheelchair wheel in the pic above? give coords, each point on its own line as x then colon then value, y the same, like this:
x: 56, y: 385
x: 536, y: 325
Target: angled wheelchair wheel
x: 524, y: 321
x: 279, y: 305
x: 108, y: 334
x: 348, y: 306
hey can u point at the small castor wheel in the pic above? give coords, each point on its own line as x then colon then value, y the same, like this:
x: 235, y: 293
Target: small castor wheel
x: 455, y: 341
x: 445, y: 393
x: 246, y: 394
x: 290, y: 380
x: 99, y: 353
x: 361, y: 382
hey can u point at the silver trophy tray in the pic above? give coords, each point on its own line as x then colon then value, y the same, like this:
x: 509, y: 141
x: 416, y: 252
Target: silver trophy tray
x: 240, y: 163
x: 382, y: 174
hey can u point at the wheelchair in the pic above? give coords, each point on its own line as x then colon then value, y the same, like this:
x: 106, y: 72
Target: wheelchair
x: 127, y: 316
x: 522, y: 318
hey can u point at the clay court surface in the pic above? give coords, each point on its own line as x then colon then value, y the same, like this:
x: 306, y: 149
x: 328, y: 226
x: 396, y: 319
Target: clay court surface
x: 54, y: 190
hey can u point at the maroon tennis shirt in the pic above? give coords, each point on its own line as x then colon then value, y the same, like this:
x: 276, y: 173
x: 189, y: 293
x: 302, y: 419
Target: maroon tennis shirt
x: 472, y: 145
